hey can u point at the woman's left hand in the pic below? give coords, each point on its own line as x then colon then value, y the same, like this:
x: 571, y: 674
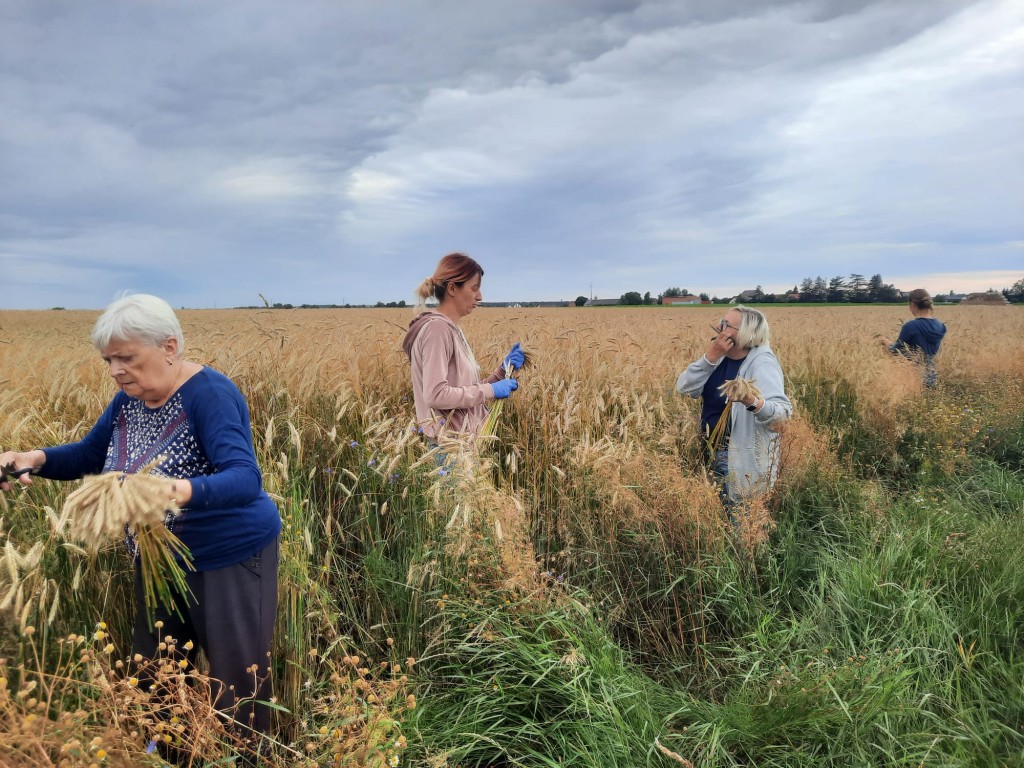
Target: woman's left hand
x: 180, y: 491
x: 515, y: 357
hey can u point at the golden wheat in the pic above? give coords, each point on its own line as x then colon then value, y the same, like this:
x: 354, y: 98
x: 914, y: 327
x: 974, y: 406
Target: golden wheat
x: 105, y: 505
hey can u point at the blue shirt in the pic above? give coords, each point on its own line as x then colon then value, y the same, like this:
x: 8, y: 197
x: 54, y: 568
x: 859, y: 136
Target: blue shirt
x: 920, y: 334
x: 203, y: 433
x: 712, y: 401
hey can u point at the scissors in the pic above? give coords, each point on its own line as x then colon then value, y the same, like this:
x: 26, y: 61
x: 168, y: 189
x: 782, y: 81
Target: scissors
x: 8, y: 472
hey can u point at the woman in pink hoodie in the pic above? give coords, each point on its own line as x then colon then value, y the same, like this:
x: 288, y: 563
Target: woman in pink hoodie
x: 450, y: 397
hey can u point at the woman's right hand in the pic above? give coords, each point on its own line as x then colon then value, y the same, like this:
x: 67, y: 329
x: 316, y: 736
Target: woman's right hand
x: 720, y: 346
x: 12, y: 461
x: 503, y: 388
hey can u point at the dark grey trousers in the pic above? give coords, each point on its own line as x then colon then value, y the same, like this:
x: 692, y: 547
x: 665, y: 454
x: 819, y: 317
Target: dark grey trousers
x: 230, y: 616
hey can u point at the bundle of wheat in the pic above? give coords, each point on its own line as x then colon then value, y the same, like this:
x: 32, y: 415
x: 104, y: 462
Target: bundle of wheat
x: 105, y: 505
x: 491, y: 425
x: 736, y: 389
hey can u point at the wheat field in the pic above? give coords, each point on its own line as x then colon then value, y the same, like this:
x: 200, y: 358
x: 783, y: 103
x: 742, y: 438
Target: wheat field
x: 574, y: 589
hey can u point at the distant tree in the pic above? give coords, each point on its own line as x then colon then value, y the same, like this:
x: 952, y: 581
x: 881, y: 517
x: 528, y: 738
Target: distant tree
x: 581, y: 300
x: 758, y: 294
x: 837, y: 289
x: 806, y: 289
x: 647, y: 298
x: 631, y: 298
x: 669, y: 292
x: 888, y: 292
x: 858, y: 288
x: 1015, y: 293
x: 820, y: 289
x: 875, y: 286
x: 704, y: 297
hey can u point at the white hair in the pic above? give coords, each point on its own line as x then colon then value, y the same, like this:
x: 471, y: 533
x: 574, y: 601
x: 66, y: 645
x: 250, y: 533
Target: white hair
x: 137, y: 317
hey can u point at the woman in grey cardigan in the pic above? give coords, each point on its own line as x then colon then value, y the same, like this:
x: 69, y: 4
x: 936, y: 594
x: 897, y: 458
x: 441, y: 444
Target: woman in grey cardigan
x: 745, y: 462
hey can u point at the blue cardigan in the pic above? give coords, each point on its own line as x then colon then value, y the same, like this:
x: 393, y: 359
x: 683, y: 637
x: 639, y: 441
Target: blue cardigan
x: 203, y: 433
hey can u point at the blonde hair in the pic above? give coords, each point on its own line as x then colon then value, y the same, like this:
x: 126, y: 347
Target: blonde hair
x: 453, y: 269
x: 753, y: 330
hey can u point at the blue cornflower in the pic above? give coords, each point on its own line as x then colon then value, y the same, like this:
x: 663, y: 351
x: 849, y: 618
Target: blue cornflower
x: 151, y: 747
x: 371, y: 462
x: 354, y: 444
x: 442, y: 471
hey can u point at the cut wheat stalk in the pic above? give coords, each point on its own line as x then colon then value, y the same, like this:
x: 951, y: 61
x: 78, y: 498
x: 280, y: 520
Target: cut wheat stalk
x: 670, y: 754
x: 105, y: 505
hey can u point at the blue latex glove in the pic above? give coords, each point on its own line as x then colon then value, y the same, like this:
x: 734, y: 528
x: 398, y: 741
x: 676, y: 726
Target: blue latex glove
x: 504, y: 387
x: 515, y: 357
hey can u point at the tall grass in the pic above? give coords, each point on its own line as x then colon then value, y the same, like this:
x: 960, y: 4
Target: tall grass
x: 585, y: 568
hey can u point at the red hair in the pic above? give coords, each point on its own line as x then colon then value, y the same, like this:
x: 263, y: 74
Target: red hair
x: 453, y: 269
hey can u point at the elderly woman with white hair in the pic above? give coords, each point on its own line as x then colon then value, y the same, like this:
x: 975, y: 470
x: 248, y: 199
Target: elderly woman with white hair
x: 195, y: 420
x: 746, y: 461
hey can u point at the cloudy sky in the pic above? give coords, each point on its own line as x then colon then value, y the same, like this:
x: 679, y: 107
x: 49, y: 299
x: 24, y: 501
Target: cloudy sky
x: 331, y: 151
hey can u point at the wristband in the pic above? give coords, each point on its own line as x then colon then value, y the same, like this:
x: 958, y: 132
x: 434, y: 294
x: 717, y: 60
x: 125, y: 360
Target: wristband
x: 753, y: 406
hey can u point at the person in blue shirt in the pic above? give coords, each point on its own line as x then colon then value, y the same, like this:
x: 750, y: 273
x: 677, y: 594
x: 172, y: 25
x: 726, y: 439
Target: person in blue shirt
x: 920, y: 338
x: 197, y: 422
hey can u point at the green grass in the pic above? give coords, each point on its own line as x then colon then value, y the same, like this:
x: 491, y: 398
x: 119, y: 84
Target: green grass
x: 523, y: 683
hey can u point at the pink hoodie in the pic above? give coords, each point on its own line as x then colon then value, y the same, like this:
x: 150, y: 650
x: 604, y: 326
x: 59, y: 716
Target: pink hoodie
x: 445, y: 380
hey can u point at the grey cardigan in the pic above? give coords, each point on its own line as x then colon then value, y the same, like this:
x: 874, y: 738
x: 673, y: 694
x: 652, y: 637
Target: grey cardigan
x: 753, y: 444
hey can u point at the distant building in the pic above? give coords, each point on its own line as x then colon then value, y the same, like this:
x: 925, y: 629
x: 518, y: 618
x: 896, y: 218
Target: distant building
x: 669, y: 301
x: 602, y: 303
x: 746, y: 296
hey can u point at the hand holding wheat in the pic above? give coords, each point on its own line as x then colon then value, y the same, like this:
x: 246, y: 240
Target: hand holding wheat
x: 740, y: 389
x: 106, y: 504
x: 491, y: 425
x: 735, y: 390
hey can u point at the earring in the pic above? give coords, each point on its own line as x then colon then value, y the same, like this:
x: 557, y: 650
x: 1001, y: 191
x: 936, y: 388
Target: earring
x: 169, y: 361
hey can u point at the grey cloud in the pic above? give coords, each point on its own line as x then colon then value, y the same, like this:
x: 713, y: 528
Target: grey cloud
x: 327, y: 148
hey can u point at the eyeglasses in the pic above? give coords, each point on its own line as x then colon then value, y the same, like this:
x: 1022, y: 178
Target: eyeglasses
x: 723, y: 324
